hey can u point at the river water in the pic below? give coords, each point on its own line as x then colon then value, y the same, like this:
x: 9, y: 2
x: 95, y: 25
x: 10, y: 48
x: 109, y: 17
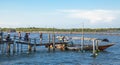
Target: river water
x: 111, y: 56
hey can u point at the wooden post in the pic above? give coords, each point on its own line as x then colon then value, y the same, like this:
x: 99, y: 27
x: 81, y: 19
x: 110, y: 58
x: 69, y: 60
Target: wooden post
x: 82, y: 40
x: 14, y: 47
x: 93, y: 47
x: 97, y: 49
x: 49, y: 41
x: 29, y: 46
x: 35, y: 45
x: 18, y: 46
x: 2, y: 44
x: 8, y: 47
x: 21, y: 48
x: 5, y: 47
x: 49, y: 38
x: 53, y: 42
x: 40, y: 40
x: 2, y: 48
x: 94, y: 51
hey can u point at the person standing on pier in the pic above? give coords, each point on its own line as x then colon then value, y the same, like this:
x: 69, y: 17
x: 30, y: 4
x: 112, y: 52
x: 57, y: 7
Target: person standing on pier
x: 1, y: 35
x: 19, y: 35
x: 26, y: 37
x: 63, y: 38
x: 40, y: 38
x: 8, y: 37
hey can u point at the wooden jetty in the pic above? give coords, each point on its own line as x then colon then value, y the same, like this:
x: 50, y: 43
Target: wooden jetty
x: 16, y: 44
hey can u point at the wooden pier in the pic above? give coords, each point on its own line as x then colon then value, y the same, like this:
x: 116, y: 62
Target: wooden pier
x: 16, y: 44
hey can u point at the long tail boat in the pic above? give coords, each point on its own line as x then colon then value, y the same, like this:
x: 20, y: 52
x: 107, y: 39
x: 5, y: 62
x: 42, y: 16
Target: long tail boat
x: 97, y: 45
x: 89, y: 47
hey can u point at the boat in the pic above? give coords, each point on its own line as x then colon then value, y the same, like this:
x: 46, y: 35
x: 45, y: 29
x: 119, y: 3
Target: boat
x: 89, y: 47
x: 99, y: 44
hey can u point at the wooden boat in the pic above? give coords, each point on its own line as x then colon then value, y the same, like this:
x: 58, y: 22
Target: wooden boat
x: 89, y: 47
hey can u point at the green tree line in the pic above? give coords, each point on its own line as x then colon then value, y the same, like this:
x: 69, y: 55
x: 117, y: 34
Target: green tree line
x: 31, y: 29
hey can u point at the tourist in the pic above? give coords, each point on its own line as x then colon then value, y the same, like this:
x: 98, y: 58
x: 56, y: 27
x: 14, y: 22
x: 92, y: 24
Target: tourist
x: 63, y: 38
x: 19, y: 35
x: 41, y: 38
x: 26, y: 37
x: 8, y: 37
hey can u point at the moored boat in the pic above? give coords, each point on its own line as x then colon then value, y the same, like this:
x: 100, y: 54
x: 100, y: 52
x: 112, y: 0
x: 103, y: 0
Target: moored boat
x: 89, y: 47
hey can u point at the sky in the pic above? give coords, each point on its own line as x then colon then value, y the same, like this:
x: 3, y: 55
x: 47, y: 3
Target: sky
x: 60, y: 13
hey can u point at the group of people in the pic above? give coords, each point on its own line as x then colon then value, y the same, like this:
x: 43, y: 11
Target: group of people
x: 26, y: 36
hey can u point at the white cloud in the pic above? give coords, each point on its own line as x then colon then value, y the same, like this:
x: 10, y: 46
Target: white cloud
x: 61, y: 18
x: 93, y: 16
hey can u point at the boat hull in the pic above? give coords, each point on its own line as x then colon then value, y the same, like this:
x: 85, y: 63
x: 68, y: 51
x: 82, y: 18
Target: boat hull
x: 89, y: 47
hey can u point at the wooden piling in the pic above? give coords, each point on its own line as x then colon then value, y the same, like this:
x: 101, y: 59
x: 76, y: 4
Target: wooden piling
x: 1, y: 41
x: 21, y: 48
x: 0, y: 47
x: 97, y: 49
x: 82, y: 44
x: 49, y: 38
x: 49, y: 41
x: 53, y: 42
x: 2, y: 50
x: 34, y: 44
x: 18, y: 46
x: 93, y: 47
x: 8, y: 47
x: 14, y: 46
x: 82, y: 41
x: 29, y: 46
x: 94, y: 51
x: 40, y: 40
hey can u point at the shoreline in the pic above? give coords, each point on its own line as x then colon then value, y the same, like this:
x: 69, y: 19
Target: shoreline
x: 57, y: 32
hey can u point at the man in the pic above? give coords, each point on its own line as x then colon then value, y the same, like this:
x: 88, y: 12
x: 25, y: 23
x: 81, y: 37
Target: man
x: 8, y: 37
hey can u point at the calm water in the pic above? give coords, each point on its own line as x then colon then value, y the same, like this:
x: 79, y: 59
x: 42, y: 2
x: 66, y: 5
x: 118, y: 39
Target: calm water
x: 110, y: 56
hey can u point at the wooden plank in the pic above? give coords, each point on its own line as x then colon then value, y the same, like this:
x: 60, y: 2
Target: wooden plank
x: 45, y: 44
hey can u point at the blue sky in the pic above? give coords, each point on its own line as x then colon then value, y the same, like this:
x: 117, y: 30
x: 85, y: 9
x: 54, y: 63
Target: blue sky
x: 60, y: 13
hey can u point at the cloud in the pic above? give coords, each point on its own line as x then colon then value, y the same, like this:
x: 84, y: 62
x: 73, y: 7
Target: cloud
x: 61, y: 18
x: 93, y: 16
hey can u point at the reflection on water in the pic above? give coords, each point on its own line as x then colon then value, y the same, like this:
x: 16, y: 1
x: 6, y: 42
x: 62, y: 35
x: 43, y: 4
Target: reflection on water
x: 110, y: 56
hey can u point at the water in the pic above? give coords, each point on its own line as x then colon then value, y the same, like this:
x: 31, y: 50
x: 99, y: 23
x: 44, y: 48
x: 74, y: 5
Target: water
x: 111, y: 56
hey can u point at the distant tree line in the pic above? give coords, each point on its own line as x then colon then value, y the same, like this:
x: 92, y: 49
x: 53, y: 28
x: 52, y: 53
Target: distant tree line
x: 31, y: 29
